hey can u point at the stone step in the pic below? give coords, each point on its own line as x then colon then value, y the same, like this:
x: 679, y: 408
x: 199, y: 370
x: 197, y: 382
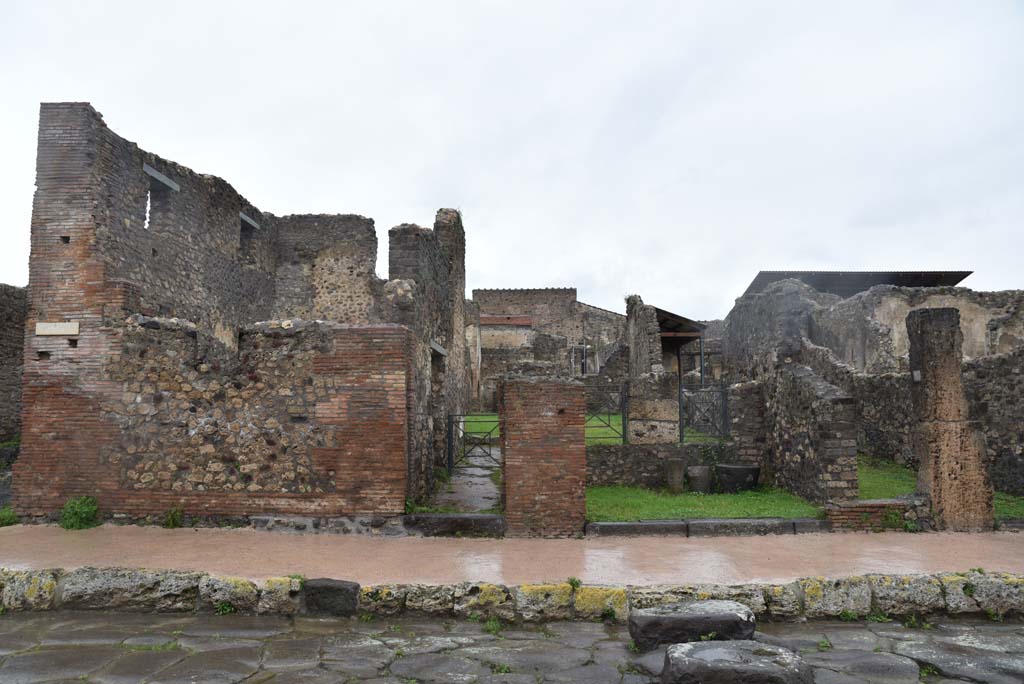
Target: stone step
x: 689, y: 621
x: 729, y: 662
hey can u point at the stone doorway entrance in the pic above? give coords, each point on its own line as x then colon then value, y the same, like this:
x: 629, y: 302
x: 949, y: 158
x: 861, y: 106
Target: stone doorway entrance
x: 474, y: 465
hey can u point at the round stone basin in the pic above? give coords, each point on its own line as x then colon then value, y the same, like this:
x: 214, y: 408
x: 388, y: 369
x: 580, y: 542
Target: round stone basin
x: 736, y: 477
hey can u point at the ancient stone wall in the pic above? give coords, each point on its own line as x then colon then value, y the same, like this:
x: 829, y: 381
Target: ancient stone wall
x: 644, y: 465
x: 812, y: 435
x: 305, y: 419
x: 995, y: 390
x: 13, y: 308
x: 949, y: 445
x: 643, y: 337
x: 117, y: 231
x: 747, y: 429
x: 325, y: 268
x: 868, y: 331
x: 543, y: 447
x: 654, y: 409
x: 521, y: 328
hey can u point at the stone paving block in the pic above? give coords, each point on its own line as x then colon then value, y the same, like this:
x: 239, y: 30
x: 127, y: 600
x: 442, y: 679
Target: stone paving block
x: 999, y: 593
x: 691, y: 621
x: 137, y: 666
x: 29, y: 589
x: 129, y: 589
x: 729, y: 662
x: 436, y: 600
x: 291, y: 654
x: 907, y: 594
x: 824, y: 597
x: 383, y: 599
x: 866, y: 666
x: 783, y: 600
x: 542, y: 657
x: 959, y: 661
x: 331, y: 597
x: 536, y: 602
x: 484, y: 600
x: 218, y: 593
x: 438, y: 667
x: 56, y: 663
x: 280, y: 596
x: 223, y: 666
x: 599, y: 603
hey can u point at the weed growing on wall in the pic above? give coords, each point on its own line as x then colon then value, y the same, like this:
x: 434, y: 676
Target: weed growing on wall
x: 7, y: 517
x: 80, y: 513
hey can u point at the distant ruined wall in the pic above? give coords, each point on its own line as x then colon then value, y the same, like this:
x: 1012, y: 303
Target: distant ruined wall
x: 643, y: 336
x: 869, y: 333
x: 13, y: 308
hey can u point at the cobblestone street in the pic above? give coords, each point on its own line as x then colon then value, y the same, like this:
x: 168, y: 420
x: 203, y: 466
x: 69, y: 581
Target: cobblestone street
x: 111, y: 648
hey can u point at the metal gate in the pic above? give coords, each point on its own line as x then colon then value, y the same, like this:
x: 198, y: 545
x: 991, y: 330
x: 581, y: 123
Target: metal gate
x: 472, y: 437
x: 607, y: 415
x: 703, y: 412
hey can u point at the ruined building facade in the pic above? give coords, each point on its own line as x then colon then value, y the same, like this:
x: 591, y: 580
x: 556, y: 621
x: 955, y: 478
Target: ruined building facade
x: 546, y: 331
x: 827, y: 365
x: 185, y: 349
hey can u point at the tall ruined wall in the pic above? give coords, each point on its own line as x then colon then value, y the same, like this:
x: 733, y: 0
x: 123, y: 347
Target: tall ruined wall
x: 325, y: 268
x: 869, y: 333
x: 551, y: 308
x: 118, y: 231
x: 308, y: 419
x: 643, y: 337
x: 179, y: 248
x: 13, y: 308
x: 811, y: 427
x: 765, y: 328
x: 995, y: 392
x: 432, y: 264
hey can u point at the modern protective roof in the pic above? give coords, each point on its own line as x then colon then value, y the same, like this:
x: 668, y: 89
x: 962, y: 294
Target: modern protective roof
x: 670, y: 322
x: 848, y: 283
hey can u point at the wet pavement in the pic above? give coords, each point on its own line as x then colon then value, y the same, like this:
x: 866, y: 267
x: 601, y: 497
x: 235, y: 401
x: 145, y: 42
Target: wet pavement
x: 604, y: 560
x: 111, y: 648
x: 473, y: 487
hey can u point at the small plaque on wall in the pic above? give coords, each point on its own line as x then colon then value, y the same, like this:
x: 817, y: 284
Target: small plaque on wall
x: 62, y: 328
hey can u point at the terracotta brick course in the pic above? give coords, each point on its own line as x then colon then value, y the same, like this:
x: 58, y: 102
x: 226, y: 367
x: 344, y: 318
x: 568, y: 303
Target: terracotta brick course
x: 543, y: 444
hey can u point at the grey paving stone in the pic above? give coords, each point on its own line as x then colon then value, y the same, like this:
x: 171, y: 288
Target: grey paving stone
x: 690, y: 621
x: 439, y: 667
x: 137, y: 666
x: 356, y: 654
x: 13, y: 643
x: 592, y: 673
x: 201, y: 644
x: 292, y: 654
x: 311, y: 676
x: 225, y: 666
x: 877, y: 668
x: 528, y: 656
x: 728, y: 662
x: 238, y: 626
x: 963, y: 662
x: 56, y: 663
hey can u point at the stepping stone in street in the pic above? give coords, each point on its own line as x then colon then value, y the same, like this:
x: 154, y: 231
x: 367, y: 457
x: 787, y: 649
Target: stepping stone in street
x: 677, y: 623
x: 729, y: 662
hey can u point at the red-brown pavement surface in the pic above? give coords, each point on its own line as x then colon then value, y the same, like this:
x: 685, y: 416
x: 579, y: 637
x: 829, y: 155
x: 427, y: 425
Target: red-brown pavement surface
x: 639, y: 560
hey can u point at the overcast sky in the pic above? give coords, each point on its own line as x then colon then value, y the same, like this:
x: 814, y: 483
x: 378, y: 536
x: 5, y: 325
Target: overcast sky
x: 670, y: 149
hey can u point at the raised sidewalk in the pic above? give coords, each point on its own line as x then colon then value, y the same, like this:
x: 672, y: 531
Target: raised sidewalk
x: 610, y: 561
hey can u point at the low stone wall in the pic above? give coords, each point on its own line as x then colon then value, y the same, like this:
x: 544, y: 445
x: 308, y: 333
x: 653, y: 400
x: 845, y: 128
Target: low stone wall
x: 643, y: 465
x: 747, y: 429
x: 994, y: 593
x: 911, y: 514
x: 995, y: 385
x: 812, y: 435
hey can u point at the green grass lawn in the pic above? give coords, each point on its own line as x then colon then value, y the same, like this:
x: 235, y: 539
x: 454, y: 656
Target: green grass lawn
x: 600, y: 429
x: 617, y: 504
x: 884, y: 480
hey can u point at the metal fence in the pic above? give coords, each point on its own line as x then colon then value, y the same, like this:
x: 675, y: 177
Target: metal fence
x: 703, y: 412
x: 607, y: 413
x: 471, y: 437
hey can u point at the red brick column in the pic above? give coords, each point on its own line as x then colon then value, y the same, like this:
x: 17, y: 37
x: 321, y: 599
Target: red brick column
x: 545, y: 454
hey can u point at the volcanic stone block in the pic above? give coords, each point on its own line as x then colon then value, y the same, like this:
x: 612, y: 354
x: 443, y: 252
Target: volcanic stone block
x: 949, y: 446
x: 690, y: 621
x: 331, y: 597
x: 675, y: 474
x: 750, y: 662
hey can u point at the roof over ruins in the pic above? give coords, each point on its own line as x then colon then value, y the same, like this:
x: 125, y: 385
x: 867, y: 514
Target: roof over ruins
x: 848, y: 283
x: 670, y: 323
